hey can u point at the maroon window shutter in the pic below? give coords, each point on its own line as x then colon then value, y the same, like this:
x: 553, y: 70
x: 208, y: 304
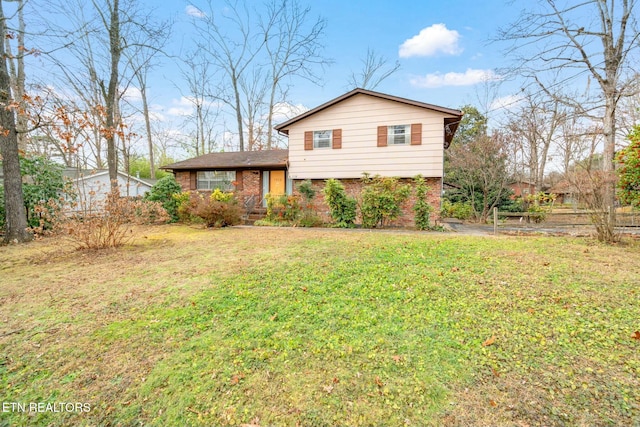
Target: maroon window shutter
x: 337, y: 139
x: 382, y: 136
x: 308, y: 140
x: 416, y: 134
x: 193, y: 181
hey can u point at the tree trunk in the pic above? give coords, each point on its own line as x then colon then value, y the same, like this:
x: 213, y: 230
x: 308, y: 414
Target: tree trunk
x: 112, y: 95
x: 609, y: 130
x: 270, y: 117
x: 147, y: 122
x: 15, y: 212
x: 200, y: 119
x: 238, y: 113
x: 17, y: 77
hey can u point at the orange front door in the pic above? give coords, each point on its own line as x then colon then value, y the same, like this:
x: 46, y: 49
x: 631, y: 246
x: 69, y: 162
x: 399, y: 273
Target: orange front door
x: 276, y: 183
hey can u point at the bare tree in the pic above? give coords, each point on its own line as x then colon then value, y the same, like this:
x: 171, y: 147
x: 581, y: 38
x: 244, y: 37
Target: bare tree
x: 232, y: 55
x: 293, y: 46
x: 104, y: 35
x: 375, y: 69
x: 595, y: 37
x: 629, y: 110
x: 141, y: 59
x: 535, y: 125
x: 196, y: 75
x: 17, y: 72
x: 254, y: 88
x: 577, y: 141
x: 15, y: 213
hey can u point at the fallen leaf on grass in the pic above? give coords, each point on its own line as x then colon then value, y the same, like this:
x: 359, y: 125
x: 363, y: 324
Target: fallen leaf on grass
x: 489, y: 341
x: 636, y: 335
x: 493, y: 403
x: 235, y: 379
x: 495, y: 373
x: 379, y: 382
x: 327, y: 388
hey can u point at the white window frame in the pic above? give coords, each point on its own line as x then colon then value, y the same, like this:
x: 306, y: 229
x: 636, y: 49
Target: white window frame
x: 399, y: 135
x: 322, y: 138
x: 210, y: 180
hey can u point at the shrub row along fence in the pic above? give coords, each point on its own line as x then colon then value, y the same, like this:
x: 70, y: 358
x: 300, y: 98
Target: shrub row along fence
x: 561, y: 219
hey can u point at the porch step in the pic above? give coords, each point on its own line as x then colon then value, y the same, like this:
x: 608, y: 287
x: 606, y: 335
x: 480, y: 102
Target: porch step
x: 255, y: 215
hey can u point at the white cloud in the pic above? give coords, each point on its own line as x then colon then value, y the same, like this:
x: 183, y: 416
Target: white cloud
x: 430, y: 41
x: 506, y: 102
x: 131, y: 94
x: 181, y: 107
x: 468, y: 78
x: 191, y: 10
x: 284, y: 111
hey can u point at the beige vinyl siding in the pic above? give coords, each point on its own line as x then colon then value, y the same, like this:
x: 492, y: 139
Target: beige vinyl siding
x: 359, y: 117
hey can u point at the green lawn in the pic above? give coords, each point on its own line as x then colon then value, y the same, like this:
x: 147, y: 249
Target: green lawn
x: 306, y: 327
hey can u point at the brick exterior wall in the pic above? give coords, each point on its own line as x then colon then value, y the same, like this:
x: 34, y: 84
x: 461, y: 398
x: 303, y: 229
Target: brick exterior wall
x: 249, y: 183
x: 353, y: 187
x: 184, y: 179
x: 251, y: 186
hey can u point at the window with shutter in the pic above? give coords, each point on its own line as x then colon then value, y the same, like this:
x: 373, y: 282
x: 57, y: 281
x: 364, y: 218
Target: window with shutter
x: 337, y: 139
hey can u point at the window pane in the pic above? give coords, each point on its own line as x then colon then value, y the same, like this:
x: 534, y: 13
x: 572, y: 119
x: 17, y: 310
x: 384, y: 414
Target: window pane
x: 398, y: 134
x: 210, y: 180
x: 322, y: 138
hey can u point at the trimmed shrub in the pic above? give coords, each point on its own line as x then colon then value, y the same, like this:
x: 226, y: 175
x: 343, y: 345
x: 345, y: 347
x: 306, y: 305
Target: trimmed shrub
x: 309, y: 217
x: 382, y: 200
x: 283, y: 208
x: 342, y: 208
x: 194, y: 207
x: 422, y: 208
x: 458, y: 210
x: 306, y: 189
x: 163, y: 191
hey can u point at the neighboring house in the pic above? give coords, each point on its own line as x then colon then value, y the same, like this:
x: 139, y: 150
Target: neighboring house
x: 359, y: 132
x: 91, y: 187
x: 521, y: 188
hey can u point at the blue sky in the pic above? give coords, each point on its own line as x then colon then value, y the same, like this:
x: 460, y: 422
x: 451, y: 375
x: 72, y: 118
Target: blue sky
x: 446, y: 49
x: 443, y: 48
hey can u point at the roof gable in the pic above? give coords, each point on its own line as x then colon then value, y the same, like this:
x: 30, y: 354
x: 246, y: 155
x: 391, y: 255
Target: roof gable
x: 282, y: 127
x: 105, y: 173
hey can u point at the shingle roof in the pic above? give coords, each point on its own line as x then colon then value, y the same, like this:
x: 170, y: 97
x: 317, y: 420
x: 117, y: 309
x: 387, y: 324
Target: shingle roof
x: 234, y: 160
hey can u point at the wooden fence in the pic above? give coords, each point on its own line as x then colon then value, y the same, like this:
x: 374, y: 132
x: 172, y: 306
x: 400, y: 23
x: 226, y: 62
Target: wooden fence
x: 560, y: 219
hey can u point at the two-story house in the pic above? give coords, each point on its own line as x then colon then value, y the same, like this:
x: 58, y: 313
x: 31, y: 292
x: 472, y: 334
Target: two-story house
x: 359, y: 132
